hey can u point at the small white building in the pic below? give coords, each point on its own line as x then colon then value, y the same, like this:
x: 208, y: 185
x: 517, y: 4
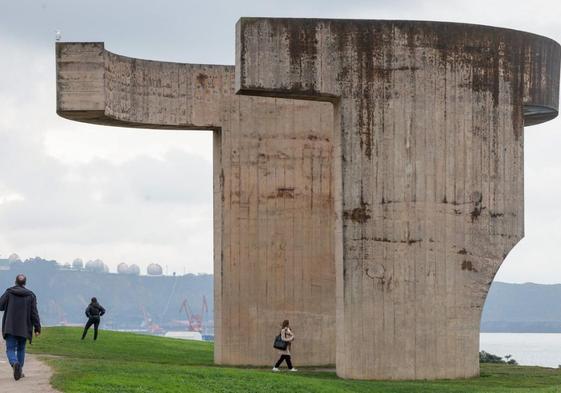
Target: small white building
x: 4, y: 264
x: 182, y: 335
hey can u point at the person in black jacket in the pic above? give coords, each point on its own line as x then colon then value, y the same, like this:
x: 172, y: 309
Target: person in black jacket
x: 94, y: 312
x: 20, y: 320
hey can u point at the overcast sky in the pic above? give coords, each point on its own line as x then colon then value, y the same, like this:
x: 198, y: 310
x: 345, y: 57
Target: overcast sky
x: 71, y: 190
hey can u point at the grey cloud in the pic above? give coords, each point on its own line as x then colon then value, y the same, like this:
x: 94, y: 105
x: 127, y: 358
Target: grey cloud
x: 146, y: 208
x: 180, y: 178
x: 188, y: 31
x: 145, y: 201
x: 57, y: 195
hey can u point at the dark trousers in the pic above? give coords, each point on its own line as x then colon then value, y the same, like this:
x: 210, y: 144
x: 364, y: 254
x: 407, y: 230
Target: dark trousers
x: 91, y: 321
x: 282, y: 358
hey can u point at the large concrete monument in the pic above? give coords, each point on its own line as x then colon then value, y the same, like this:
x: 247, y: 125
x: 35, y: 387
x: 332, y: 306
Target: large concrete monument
x: 405, y: 187
x: 428, y: 170
x: 273, y: 204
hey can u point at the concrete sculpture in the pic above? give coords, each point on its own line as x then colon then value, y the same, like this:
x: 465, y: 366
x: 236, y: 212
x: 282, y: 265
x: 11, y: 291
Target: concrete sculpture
x: 273, y: 203
x: 428, y: 170
x: 408, y: 192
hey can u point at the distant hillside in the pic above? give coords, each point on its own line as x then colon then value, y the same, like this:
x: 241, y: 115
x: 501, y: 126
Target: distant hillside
x: 522, y: 308
x: 138, y: 302
x: 130, y: 300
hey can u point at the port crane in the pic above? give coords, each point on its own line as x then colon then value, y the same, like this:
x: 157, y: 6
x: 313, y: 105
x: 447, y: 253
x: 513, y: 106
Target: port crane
x: 195, y: 322
x: 148, y: 323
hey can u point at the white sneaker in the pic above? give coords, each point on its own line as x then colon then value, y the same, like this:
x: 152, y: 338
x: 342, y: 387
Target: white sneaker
x: 275, y: 369
x: 293, y: 369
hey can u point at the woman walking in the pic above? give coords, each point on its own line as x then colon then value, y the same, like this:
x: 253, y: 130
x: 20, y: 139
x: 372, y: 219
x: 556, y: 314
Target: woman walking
x: 287, y: 336
x: 94, y: 312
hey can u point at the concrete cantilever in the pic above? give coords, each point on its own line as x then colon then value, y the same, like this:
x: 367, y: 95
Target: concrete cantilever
x: 428, y: 170
x: 272, y: 190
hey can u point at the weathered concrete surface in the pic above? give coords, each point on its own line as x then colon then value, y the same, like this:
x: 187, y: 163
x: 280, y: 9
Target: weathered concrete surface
x: 37, y: 375
x: 272, y: 190
x: 428, y: 172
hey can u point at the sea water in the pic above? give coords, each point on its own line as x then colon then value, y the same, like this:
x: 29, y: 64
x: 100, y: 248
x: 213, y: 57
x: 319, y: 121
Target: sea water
x: 528, y: 349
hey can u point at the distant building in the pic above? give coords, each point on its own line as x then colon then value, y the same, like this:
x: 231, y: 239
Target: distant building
x: 132, y: 270
x: 182, y: 335
x: 123, y: 268
x: 14, y: 258
x: 4, y: 264
x: 97, y: 266
x: 154, y: 270
x: 78, y: 264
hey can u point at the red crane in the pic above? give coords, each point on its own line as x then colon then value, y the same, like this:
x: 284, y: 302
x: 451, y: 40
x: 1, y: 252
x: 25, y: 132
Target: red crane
x: 195, y: 322
x: 148, y: 323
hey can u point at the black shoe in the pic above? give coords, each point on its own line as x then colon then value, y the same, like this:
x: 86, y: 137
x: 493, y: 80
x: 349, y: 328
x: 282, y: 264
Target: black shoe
x: 17, y: 371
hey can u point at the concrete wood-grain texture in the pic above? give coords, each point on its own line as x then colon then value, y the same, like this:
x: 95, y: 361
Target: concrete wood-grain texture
x: 273, y: 205
x: 428, y: 172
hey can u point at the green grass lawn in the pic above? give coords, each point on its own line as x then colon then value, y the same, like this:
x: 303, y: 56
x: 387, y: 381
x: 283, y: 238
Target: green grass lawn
x: 123, y: 363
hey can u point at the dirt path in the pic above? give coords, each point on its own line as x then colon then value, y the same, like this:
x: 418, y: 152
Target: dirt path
x: 36, y: 380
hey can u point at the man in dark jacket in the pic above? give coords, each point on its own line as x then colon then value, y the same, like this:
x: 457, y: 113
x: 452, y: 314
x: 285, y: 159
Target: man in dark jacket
x: 94, y: 312
x: 20, y: 319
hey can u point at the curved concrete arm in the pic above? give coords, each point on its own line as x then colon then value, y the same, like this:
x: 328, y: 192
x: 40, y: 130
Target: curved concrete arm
x: 97, y: 86
x: 315, y: 56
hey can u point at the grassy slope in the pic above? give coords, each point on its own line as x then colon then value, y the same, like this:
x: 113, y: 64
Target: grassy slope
x: 123, y: 363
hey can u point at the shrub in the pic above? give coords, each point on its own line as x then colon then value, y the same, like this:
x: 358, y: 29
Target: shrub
x: 486, y: 357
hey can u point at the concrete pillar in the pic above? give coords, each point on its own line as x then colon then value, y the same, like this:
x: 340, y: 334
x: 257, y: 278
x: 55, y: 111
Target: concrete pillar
x: 428, y: 170
x: 273, y: 202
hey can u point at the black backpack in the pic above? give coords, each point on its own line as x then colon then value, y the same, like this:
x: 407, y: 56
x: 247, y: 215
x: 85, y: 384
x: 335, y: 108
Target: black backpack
x: 280, y: 343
